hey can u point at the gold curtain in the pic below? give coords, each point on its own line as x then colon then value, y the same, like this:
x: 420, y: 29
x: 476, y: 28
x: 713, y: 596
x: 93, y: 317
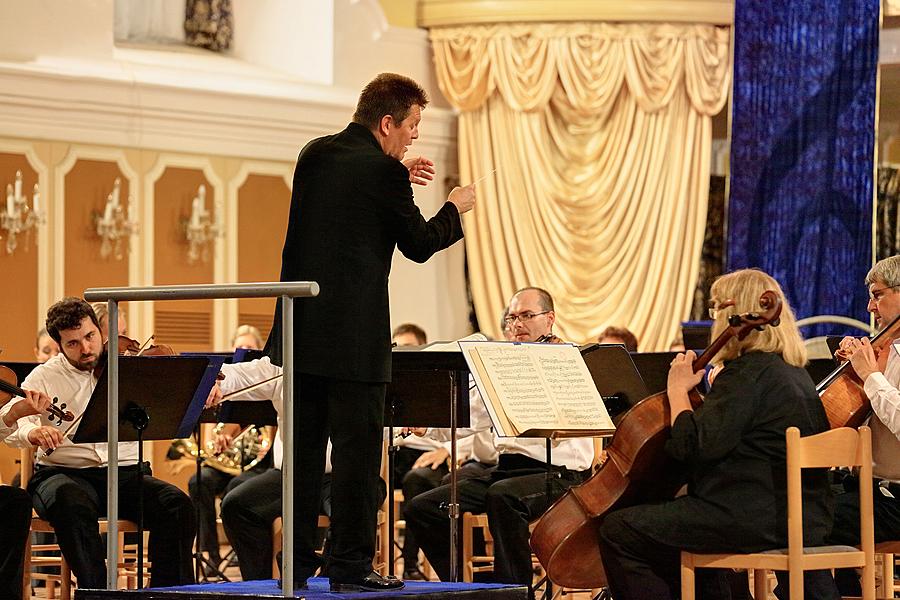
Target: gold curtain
x: 601, y: 135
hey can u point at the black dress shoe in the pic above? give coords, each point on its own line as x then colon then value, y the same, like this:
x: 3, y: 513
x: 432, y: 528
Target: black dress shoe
x: 373, y: 582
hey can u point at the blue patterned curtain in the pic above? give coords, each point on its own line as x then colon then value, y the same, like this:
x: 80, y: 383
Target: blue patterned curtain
x: 803, y: 138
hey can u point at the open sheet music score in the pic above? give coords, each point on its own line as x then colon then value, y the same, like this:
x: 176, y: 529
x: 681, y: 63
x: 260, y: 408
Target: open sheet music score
x: 537, y: 390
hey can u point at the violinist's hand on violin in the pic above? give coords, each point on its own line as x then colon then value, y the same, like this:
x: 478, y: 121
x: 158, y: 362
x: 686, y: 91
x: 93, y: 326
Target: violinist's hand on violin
x: 215, y: 396
x: 34, y: 403
x: 421, y: 169
x: 46, y: 436
x: 861, y: 356
x: 681, y: 373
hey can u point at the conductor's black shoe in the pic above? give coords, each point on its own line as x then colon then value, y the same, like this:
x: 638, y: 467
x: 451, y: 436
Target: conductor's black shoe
x: 373, y: 582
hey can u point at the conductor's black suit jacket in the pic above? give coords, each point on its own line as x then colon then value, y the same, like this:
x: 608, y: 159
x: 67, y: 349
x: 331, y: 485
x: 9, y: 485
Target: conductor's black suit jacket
x: 351, y: 206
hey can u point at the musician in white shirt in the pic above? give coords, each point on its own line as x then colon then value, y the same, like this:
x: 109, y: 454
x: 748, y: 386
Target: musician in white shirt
x: 881, y: 387
x: 69, y: 485
x: 515, y: 492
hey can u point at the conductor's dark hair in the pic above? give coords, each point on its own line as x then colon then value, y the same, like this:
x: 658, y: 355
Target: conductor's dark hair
x: 388, y: 94
x: 68, y: 313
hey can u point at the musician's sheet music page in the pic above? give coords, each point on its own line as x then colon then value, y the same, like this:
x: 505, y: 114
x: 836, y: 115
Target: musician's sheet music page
x: 536, y: 386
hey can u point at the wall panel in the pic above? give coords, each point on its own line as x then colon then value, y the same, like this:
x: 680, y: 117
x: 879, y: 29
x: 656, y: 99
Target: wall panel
x: 18, y: 319
x: 186, y: 325
x: 263, y: 205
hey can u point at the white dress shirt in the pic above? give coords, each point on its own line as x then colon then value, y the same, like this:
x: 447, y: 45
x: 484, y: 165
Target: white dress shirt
x: 881, y: 388
x: 240, y: 375
x: 574, y: 454
x: 59, y: 379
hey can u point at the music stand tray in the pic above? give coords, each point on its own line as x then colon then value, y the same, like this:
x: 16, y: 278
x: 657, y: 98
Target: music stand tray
x: 171, y: 389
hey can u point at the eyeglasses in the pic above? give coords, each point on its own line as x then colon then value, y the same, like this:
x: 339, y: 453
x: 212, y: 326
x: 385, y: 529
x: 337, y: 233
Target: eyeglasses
x: 522, y: 317
x: 876, y: 295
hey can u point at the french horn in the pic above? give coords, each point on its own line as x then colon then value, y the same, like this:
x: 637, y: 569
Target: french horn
x: 244, y: 452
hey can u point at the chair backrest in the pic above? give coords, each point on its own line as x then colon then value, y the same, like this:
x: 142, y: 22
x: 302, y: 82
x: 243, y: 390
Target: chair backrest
x: 842, y: 447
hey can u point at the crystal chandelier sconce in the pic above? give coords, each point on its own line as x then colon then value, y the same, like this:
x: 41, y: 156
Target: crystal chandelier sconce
x: 17, y: 217
x: 114, y: 227
x: 200, y: 229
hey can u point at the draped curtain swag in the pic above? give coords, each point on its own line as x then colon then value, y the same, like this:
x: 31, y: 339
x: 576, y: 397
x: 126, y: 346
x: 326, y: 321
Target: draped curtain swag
x: 601, y: 137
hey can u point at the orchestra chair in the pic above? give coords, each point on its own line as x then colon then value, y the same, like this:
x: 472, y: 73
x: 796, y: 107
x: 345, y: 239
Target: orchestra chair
x: 127, y: 565
x: 841, y: 447
x: 885, y: 584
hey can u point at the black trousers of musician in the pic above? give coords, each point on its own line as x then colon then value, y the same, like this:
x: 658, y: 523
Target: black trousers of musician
x: 512, y: 495
x: 352, y: 414
x: 414, y: 482
x: 73, y: 500
x: 247, y: 514
x: 214, y: 483
x: 15, y: 523
x: 642, y: 558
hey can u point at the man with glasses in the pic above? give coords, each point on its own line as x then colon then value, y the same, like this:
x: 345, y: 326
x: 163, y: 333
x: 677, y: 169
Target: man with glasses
x: 881, y: 377
x: 515, y: 493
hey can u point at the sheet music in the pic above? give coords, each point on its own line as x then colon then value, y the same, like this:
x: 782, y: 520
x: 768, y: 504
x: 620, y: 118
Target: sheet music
x: 536, y: 387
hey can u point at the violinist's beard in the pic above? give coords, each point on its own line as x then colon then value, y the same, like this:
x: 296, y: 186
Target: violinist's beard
x: 81, y: 365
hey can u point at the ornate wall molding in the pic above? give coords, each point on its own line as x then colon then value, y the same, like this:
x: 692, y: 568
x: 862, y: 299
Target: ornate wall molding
x: 443, y: 13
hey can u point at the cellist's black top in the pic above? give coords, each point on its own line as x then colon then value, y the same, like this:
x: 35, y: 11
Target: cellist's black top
x: 734, y: 449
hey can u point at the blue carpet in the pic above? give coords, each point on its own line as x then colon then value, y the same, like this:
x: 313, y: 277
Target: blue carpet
x: 318, y: 589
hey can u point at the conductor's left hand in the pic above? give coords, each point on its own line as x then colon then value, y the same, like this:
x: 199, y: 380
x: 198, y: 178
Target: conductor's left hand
x: 421, y: 169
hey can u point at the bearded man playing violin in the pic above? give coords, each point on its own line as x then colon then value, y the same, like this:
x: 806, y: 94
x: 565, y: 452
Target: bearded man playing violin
x: 69, y: 484
x: 881, y: 378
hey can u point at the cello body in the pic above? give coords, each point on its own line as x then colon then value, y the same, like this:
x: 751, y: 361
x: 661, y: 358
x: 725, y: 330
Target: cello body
x: 636, y: 470
x: 842, y: 393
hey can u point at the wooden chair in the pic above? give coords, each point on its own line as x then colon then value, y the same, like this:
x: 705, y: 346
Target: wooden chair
x: 885, y: 584
x: 476, y: 563
x: 835, y: 448
x: 127, y: 571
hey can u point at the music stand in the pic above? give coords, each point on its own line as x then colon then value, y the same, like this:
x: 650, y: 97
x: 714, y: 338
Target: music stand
x: 165, y: 397
x: 422, y: 381
x: 615, y: 375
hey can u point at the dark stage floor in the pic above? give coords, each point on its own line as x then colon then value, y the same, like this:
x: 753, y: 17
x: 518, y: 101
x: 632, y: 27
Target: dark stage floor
x: 318, y: 590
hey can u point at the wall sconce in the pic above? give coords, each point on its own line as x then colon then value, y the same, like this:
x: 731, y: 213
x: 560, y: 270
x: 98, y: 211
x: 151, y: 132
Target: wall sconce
x: 200, y: 229
x: 113, y: 226
x: 17, y: 217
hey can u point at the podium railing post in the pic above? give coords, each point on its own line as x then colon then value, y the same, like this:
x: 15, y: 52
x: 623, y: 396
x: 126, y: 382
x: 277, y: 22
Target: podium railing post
x: 454, y: 493
x: 287, y: 460
x: 112, y: 446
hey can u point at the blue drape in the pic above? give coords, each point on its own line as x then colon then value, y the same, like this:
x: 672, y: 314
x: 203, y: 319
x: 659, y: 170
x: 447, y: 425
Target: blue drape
x: 803, y: 138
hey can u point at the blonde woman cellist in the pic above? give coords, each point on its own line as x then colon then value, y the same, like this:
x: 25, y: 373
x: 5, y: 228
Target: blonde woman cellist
x: 733, y: 450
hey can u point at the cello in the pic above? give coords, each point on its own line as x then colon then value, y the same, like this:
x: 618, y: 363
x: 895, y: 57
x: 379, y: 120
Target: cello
x: 637, y: 469
x: 845, y: 401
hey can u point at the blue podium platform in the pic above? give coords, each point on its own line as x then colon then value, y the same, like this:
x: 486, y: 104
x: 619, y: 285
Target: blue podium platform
x: 317, y: 590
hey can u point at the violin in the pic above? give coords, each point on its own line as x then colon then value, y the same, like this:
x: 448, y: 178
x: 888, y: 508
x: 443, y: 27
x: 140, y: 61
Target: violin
x: 9, y: 389
x: 637, y: 469
x: 130, y: 347
x: 842, y: 393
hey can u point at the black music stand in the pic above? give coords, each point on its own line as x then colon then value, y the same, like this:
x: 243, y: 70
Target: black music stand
x: 426, y: 386
x: 615, y: 375
x: 165, y: 395
x: 238, y: 412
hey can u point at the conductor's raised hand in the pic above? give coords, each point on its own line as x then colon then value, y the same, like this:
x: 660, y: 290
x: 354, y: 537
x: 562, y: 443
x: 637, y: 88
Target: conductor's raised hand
x: 421, y: 169
x: 463, y: 198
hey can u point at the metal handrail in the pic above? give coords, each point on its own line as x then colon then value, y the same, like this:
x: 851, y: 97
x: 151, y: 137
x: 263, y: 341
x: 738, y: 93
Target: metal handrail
x: 287, y: 292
